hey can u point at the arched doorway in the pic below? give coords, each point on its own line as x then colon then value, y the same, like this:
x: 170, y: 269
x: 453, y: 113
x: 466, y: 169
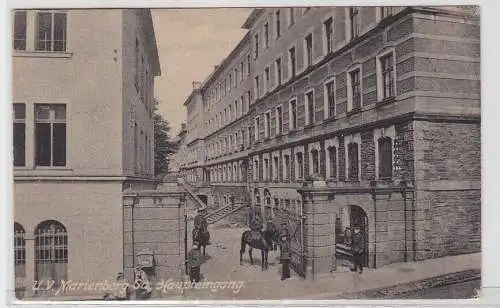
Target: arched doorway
x: 352, y: 216
x: 51, y: 252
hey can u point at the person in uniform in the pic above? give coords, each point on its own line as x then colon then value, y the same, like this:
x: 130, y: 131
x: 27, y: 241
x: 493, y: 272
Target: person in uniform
x: 285, y: 258
x: 194, y: 259
x: 358, y: 249
x: 200, y: 222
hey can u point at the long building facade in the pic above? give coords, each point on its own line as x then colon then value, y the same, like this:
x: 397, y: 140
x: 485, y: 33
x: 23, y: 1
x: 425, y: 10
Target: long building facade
x: 83, y: 133
x: 381, y: 105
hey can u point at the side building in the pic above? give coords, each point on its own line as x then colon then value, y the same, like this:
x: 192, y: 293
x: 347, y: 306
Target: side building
x: 380, y: 103
x: 82, y: 133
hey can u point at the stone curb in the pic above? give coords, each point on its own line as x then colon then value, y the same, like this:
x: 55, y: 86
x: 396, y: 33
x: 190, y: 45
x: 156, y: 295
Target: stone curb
x: 423, y: 284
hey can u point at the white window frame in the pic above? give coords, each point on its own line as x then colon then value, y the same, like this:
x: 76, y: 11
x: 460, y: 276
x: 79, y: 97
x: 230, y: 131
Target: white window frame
x: 356, y: 138
x: 380, y: 80
x: 349, y: 30
x: 307, y: 102
x: 349, y: 87
x: 297, y: 150
x: 291, y: 16
x: 380, y: 133
x: 325, y: 38
x: 326, y: 103
x: 333, y: 142
x: 267, y: 124
x: 278, y: 74
x: 278, y: 122
x: 290, y: 123
x: 275, y: 175
x: 286, y: 172
x: 290, y: 75
x: 304, y: 41
x: 257, y: 126
x: 267, y: 79
x: 314, y: 146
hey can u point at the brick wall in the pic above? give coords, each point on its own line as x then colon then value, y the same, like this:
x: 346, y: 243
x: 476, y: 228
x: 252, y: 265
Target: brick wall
x: 448, y: 175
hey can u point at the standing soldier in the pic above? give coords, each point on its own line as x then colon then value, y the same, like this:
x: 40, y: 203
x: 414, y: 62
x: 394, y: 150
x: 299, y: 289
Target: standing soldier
x: 358, y: 249
x: 194, y: 258
x: 200, y: 223
x: 285, y: 258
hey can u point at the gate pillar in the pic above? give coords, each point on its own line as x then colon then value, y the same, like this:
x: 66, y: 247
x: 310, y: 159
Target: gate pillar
x: 320, y: 220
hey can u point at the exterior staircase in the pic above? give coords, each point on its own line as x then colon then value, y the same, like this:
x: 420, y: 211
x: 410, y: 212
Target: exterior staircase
x: 221, y: 213
x: 189, y: 189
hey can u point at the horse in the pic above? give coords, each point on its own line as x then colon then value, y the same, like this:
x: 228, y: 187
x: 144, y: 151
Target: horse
x: 202, y: 238
x: 264, y: 243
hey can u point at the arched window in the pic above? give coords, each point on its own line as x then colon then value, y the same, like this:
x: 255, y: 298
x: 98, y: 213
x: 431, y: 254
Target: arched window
x: 332, y: 157
x: 353, y: 162
x: 51, y: 251
x: 256, y: 196
x: 19, y: 251
x: 385, y: 158
x: 315, y: 161
x: 267, y: 197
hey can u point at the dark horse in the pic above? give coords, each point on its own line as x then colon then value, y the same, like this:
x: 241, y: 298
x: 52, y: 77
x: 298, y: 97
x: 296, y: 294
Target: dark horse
x: 264, y: 243
x: 202, y: 238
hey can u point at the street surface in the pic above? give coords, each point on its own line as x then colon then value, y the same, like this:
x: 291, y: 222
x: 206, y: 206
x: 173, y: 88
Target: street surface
x: 455, y: 291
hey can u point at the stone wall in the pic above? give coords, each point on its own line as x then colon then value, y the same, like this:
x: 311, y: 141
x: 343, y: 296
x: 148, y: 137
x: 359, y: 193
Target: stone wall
x: 154, y: 221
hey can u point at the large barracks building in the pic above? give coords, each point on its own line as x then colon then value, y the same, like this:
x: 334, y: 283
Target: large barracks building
x: 325, y: 118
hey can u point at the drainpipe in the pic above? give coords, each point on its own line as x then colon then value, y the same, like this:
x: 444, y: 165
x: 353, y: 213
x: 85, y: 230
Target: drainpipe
x: 374, y: 196
x: 134, y: 203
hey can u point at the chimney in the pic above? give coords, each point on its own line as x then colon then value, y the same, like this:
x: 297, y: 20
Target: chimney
x: 196, y: 85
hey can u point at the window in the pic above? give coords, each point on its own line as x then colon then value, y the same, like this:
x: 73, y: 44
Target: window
x: 241, y: 71
x: 332, y: 159
x: 278, y: 71
x: 386, y: 76
x: 230, y: 85
x: 291, y: 17
x: 278, y: 24
x: 315, y: 161
x: 293, y: 64
x: 51, y: 31
x: 309, y: 108
x: 329, y: 99
x: 19, y: 135
x: 249, y: 61
x: 267, y: 126
x: 385, y: 158
x: 353, y: 162
x: 236, y: 110
x: 50, y: 135
x: 354, y: 100
x: 293, y: 114
x: 257, y: 125
x: 229, y: 114
x: 309, y: 52
x: 256, y: 49
x: 300, y: 165
x: 19, y: 251
x: 235, y: 77
x: 266, y: 170
x: 243, y: 107
x: 354, y: 22
x: 257, y: 87
x: 306, y: 9
x: 279, y: 120
x: 249, y: 99
x: 266, y: 35
x: 268, y: 79
x: 286, y: 169
x: 275, y: 168
x: 386, y: 11
x: 20, y: 30
x: 51, y: 251
x: 329, y: 35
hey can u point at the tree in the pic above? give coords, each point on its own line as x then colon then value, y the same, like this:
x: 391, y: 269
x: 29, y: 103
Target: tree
x: 164, y: 147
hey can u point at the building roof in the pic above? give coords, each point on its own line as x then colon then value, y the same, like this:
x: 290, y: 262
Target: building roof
x: 254, y: 15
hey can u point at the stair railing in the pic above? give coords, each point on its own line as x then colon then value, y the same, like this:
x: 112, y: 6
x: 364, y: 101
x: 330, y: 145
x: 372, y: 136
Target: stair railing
x: 193, y: 196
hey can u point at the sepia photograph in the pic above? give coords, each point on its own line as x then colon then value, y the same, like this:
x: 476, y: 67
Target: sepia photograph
x: 253, y: 153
